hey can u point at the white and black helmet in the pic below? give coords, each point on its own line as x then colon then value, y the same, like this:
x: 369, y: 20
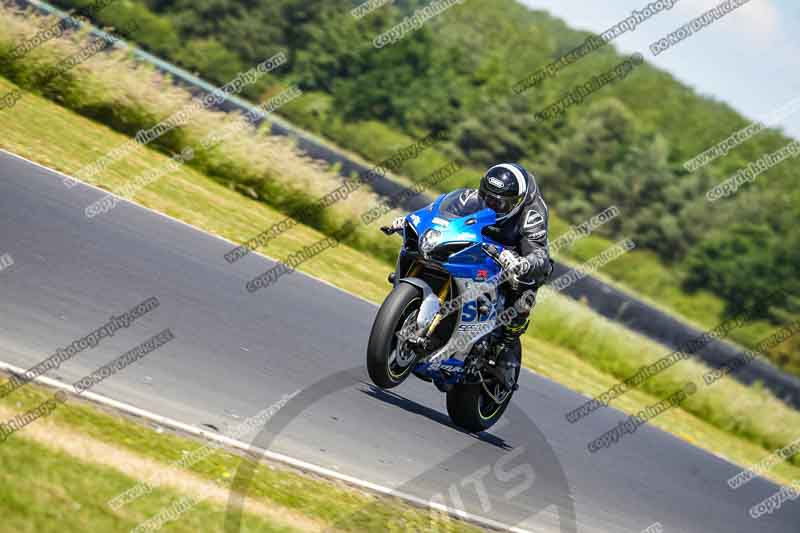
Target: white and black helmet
x: 505, y: 187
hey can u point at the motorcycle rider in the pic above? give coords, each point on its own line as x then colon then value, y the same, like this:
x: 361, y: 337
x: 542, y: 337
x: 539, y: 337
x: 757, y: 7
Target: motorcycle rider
x: 521, y: 227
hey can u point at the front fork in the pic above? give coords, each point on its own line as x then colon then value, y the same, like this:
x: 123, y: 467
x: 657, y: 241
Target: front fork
x: 443, y: 293
x: 426, y: 323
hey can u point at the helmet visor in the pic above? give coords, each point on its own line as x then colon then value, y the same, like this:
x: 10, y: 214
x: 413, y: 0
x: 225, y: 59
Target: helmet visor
x: 499, y: 204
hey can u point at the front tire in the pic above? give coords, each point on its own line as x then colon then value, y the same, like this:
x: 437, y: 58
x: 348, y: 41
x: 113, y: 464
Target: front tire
x: 389, y: 361
x: 471, y: 408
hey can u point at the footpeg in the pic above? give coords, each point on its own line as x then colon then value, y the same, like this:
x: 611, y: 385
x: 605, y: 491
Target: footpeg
x: 392, y: 277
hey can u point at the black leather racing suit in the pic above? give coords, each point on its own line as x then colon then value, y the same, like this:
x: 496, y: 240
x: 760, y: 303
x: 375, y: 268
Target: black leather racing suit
x: 526, y: 234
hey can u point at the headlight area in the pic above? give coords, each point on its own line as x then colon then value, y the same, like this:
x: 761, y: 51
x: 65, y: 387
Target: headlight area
x: 430, y: 240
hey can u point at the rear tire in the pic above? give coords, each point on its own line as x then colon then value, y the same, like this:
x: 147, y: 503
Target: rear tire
x: 472, y: 409
x: 386, y: 368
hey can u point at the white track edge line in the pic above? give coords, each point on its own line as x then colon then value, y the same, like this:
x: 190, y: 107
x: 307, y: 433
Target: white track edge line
x: 287, y: 459
x: 226, y: 440
x: 274, y: 456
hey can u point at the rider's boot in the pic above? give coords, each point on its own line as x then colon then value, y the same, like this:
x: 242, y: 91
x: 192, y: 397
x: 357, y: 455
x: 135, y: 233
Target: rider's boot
x: 506, y: 363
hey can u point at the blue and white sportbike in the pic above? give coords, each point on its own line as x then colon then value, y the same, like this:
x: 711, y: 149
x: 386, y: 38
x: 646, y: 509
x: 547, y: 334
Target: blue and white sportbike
x: 440, y: 322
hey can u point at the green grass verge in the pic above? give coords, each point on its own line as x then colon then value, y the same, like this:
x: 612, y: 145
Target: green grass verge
x: 44, y: 490
x: 568, y: 342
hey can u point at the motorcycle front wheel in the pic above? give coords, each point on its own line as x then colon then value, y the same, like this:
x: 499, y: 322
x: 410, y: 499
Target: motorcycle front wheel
x: 389, y: 358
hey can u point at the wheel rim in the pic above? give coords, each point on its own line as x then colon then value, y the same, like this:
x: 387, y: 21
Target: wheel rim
x: 401, y: 356
x: 487, y: 406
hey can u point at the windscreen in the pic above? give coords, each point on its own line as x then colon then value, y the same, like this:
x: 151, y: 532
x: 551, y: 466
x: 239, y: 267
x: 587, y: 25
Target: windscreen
x: 461, y: 203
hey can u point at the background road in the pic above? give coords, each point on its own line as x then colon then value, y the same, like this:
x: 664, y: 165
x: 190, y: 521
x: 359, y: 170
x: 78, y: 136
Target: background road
x: 236, y: 353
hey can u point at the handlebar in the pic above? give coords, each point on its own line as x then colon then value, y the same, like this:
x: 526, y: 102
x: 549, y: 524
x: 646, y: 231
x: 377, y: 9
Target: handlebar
x: 389, y: 230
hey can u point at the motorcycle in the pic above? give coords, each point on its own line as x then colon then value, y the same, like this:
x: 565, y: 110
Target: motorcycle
x: 441, y: 320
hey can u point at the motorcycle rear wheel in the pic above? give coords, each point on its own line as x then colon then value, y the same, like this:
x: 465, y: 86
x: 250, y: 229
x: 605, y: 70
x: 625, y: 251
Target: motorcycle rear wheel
x: 469, y: 405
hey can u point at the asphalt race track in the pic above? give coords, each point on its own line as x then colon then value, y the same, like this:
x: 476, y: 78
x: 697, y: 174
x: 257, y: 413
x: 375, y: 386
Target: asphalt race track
x: 236, y: 353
